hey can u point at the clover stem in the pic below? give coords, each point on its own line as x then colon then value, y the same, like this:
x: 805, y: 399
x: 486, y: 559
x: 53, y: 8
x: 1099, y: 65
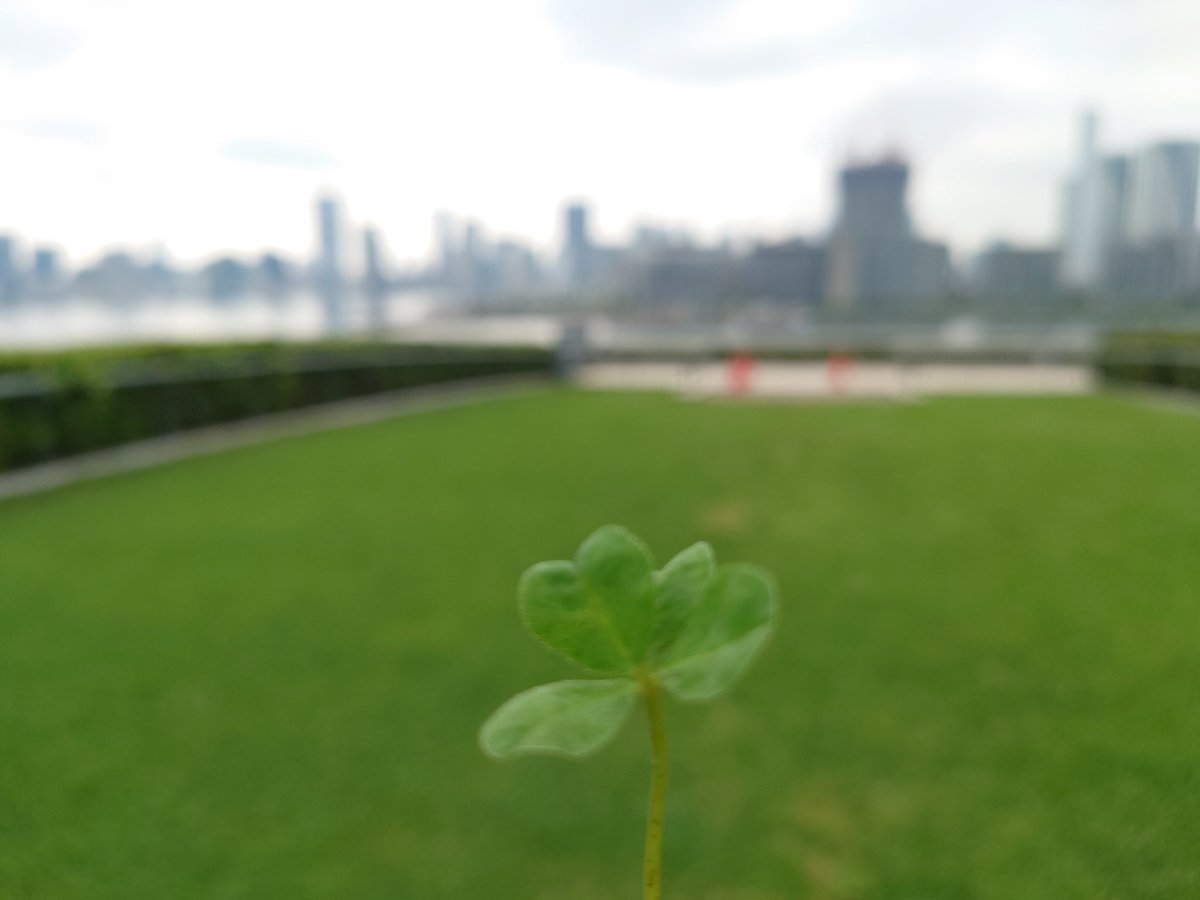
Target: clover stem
x: 658, y: 788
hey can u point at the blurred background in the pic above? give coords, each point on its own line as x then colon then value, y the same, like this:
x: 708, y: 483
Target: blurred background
x: 261, y: 170
x: 897, y: 298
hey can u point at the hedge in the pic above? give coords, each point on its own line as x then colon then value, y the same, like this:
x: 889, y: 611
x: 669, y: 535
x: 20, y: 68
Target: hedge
x: 1158, y: 359
x: 59, y: 404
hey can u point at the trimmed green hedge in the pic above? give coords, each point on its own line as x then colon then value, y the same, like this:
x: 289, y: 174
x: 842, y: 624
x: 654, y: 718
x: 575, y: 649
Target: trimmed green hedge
x: 59, y: 404
x: 1158, y: 359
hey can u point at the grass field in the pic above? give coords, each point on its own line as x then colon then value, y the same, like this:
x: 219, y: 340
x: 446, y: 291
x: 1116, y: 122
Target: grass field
x: 260, y: 674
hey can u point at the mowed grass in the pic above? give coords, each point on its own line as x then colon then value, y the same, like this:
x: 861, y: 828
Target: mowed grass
x: 260, y: 674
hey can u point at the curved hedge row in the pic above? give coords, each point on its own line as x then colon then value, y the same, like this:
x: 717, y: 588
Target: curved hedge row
x: 55, y: 405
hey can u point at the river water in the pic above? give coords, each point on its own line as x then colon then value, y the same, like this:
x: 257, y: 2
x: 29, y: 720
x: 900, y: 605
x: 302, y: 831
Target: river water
x: 76, y: 321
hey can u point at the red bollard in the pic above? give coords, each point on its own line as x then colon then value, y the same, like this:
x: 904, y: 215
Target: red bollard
x: 740, y: 368
x: 839, y: 368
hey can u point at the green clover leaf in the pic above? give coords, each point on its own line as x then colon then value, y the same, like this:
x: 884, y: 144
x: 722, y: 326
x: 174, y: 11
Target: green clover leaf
x: 571, y: 718
x: 680, y: 584
x: 691, y: 628
x: 598, y: 610
x: 721, y: 635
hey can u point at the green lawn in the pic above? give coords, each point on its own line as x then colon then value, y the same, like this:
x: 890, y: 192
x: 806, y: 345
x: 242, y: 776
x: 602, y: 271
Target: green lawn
x: 259, y: 675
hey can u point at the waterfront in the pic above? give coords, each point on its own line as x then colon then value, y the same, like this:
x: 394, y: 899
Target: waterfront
x: 81, y: 321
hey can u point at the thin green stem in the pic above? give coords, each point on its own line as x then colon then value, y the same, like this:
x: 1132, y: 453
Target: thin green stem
x: 658, y: 789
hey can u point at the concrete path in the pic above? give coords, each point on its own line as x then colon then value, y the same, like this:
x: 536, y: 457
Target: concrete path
x: 261, y: 429
x: 881, y: 380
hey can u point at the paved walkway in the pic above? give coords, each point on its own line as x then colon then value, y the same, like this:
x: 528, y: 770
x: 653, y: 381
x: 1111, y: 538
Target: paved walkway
x: 259, y: 430
x: 884, y: 380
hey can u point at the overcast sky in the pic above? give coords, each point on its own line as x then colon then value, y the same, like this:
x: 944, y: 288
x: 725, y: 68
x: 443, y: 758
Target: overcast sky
x: 209, y: 126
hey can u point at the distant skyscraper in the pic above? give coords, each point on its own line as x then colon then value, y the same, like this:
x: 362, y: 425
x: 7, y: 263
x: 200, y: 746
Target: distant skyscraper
x: 1129, y: 224
x: 1081, y: 239
x: 45, y: 264
x: 329, y: 275
x: 577, y: 249
x: 576, y: 218
x: 873, y: 255
x: 46, y: 274
x: 329, y: 259
x: 1163, y: 192
x: 374, y: 282
x: 1101, y: 203
x: 473, y: 242
x: 446, y: 234
x: 474, y: 275
x: 372, y: 266
x: 873, y: 201
x: 1110, y: 202
x: 1159, y: 257
x: 8, y: 269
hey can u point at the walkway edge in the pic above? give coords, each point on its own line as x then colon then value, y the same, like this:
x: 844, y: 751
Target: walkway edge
x: 218, y: 438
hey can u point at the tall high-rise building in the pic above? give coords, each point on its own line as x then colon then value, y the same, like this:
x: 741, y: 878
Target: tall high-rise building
x: 1097, y: 221
x: 1159, y: 256
x: 46, y: 275
x: 874, y: 255
x: 1162, y: 198
x: 1113, y: 204
x: 577, y: 250
x: 329, y: 237
x: 328, y: 272
x: 1110, y: 201
x: 374, y: 282
x: 445, y: 231
x: 874, y: 201
x: 8, y: 268
x: 474, y: 276
x: 45, y: 264
x: 1130, y: 224
x: 373, y: 278
x: 1081, y: 244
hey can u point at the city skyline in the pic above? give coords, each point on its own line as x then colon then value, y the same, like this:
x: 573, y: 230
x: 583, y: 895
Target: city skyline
x: 725, y: 117
x: 1129, y: 232
x: 1128, y: 229
x: 324, y: 241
